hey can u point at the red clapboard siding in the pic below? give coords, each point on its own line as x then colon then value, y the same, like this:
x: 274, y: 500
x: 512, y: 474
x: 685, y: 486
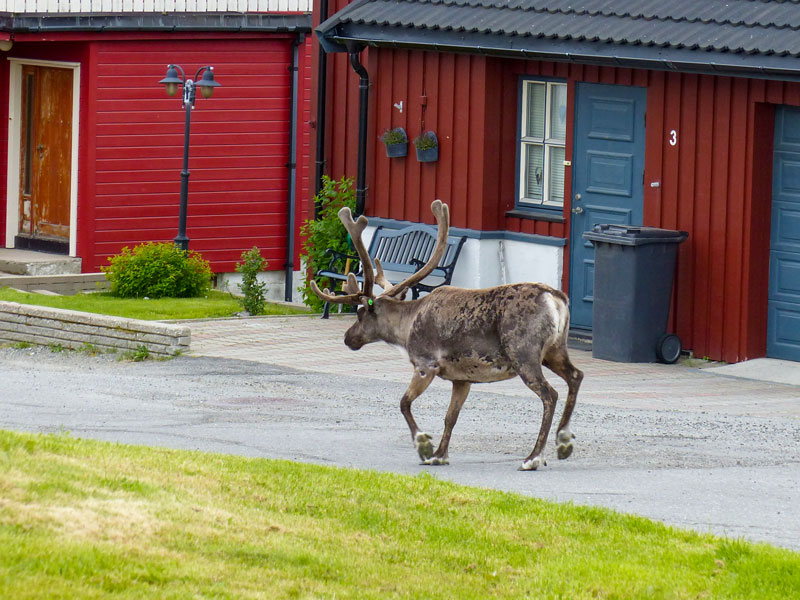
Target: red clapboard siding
x: 238, y: 148
x: 714, y: 183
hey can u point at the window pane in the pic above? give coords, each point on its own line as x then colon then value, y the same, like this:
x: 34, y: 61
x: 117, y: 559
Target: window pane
x: 534, y: 180
x: 556, y: 174
x: 535, y: 110
x: 558, y: 111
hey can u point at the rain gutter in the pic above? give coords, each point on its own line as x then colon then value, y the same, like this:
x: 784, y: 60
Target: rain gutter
x: 292, y: 170
x: 363, y: 99
x: 336, y: 37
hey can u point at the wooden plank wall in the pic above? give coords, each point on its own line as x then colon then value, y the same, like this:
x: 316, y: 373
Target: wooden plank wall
x: 238, y: 149
x: 717, y: 185
x: 714, y: 183
x: 341, y: 109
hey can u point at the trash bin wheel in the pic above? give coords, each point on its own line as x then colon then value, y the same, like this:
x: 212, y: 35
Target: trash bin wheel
x: 669, y: 348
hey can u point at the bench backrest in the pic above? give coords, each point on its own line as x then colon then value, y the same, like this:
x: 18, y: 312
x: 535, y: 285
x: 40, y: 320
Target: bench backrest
x: 398, y: 249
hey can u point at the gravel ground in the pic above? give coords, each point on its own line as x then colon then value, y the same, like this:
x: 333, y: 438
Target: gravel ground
x: 713, y: 471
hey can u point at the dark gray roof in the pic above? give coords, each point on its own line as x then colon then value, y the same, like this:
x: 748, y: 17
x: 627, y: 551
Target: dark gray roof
x: 732, y: 36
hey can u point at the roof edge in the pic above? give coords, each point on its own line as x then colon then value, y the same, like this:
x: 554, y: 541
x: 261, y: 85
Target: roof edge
x: 336, y: 36
x: 236, y: 22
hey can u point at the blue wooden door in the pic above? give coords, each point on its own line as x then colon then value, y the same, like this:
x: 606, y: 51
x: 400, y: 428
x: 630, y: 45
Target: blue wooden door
x: 607, y: 178
x: 783, y: 308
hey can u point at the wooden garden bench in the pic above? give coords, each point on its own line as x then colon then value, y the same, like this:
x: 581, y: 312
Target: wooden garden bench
x: 400, y: 251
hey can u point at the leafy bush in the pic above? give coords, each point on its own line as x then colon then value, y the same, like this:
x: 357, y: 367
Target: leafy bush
x: 252, y: 264
x: 326, y: 232
x: 158, y: 270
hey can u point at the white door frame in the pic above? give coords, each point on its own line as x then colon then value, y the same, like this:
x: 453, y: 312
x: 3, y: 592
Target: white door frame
x: 14, y: 139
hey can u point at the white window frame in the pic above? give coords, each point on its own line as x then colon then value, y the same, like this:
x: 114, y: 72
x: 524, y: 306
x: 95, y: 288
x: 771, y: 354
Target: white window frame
x: 547, y: 142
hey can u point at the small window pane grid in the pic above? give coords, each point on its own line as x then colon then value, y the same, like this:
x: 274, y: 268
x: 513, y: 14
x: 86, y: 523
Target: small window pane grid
x: 544, y: 132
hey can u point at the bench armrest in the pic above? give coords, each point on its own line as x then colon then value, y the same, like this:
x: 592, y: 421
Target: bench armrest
x: 336, y: 256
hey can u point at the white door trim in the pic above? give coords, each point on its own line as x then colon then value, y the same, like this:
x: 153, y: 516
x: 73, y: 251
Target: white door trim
x: 14, y: 138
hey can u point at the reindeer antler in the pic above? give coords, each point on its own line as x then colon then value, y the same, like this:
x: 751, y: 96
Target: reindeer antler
x: 351, y: 287
x: 353, y: 292
x: 355, y: 229
x: 442, y: 214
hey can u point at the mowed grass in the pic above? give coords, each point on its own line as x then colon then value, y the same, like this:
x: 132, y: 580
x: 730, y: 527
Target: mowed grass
x: 87, y: 519
x: 216, y: 304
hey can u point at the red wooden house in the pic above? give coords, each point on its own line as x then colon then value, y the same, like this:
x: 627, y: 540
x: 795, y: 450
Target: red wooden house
x: 93, y: 146
x: 555, y: 116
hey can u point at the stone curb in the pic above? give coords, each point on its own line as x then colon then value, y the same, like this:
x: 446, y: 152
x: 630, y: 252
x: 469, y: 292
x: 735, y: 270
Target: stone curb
x: 73, y: 329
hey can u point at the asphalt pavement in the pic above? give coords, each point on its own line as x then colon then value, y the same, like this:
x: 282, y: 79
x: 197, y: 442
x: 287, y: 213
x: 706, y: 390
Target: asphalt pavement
x: 693, y: 445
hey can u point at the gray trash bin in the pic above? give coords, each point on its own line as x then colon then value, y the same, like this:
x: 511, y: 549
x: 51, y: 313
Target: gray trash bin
x: 633, y: 272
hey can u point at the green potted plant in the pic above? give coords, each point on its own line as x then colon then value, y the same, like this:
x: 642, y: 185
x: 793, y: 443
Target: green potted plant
x: 427, y: 146
x: 396, y: 142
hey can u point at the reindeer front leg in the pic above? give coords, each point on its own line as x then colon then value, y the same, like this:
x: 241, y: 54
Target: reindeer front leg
x: 419, y: 383
x: 460, y: 392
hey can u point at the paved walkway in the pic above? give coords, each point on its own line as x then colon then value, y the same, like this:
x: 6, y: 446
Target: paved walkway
x: 313, y: 344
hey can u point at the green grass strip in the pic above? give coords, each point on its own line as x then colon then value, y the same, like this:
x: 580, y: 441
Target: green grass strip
x: 216, y: 304
x: 88, y: 519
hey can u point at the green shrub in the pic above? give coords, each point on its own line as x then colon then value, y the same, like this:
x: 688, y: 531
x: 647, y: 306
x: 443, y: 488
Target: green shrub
x: 252, y: 264
x: 326, y: 232
x: 158, y: 270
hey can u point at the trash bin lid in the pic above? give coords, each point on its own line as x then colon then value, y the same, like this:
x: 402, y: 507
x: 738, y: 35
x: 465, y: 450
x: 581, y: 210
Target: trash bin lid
x: 634, y: 235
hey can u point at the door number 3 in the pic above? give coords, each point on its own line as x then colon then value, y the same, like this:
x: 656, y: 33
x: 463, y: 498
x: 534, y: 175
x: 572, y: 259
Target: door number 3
x: 673, y: 137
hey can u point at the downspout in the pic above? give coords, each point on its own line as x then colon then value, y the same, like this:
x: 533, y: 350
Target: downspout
x: 322, y: 88
x: 292, y: 170
x: 363, y: 99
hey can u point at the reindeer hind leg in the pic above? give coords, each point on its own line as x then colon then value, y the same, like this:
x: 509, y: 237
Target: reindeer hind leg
x: 531, y: 374
x: 560, y: 364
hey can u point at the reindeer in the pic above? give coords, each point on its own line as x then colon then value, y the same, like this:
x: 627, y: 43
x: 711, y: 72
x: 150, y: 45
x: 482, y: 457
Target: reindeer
x: 464, y: 336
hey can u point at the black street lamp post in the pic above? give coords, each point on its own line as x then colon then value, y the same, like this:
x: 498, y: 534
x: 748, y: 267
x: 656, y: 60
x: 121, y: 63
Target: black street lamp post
x: 206, y: 85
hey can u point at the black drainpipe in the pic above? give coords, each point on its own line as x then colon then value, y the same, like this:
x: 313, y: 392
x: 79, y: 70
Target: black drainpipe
x: 363, y: 99
x: 292, y: 171
x: 322, y: 88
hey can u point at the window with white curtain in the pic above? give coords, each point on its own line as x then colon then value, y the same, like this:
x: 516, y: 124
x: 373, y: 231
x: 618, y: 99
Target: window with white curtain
x: 543, y: 137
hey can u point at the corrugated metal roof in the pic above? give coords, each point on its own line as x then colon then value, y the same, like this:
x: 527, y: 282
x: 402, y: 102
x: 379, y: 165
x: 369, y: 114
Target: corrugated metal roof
x: 728, y: 35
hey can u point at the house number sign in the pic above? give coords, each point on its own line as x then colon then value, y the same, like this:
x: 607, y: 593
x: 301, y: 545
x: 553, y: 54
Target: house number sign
x: 673, y: 137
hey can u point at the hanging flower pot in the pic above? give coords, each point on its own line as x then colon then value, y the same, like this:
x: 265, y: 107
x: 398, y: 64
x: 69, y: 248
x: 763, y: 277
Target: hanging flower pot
x: 396, y: 142
x: 427, y: 146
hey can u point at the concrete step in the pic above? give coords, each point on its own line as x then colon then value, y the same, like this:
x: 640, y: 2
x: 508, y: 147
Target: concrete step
x: 30, y: 271
x: 56, y: 284
x: 29, y: 262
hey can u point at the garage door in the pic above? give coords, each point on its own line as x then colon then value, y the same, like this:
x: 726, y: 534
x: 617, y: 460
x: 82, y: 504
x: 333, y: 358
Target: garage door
x: 783, y: 313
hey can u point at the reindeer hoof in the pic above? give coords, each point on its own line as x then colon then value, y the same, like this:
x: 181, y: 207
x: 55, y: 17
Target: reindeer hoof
x: 424, y: 446
x: 436, y: 461
x: 564, y: 443
x: 532, y: 464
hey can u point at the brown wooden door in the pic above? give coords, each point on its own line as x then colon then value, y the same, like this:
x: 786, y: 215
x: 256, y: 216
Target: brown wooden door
x: 45, y: 153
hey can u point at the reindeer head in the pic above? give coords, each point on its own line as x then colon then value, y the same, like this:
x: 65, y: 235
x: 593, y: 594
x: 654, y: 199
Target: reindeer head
x: 375, y: 319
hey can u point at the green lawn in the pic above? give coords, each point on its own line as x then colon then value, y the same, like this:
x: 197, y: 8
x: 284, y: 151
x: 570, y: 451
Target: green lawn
x: 87, y: 519
x: 216, y: 304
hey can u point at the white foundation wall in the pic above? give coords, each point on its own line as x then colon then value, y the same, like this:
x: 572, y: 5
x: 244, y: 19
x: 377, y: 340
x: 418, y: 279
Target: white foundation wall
x: 484, y: 263
x: 487, y: 262
x: 275, y: 280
